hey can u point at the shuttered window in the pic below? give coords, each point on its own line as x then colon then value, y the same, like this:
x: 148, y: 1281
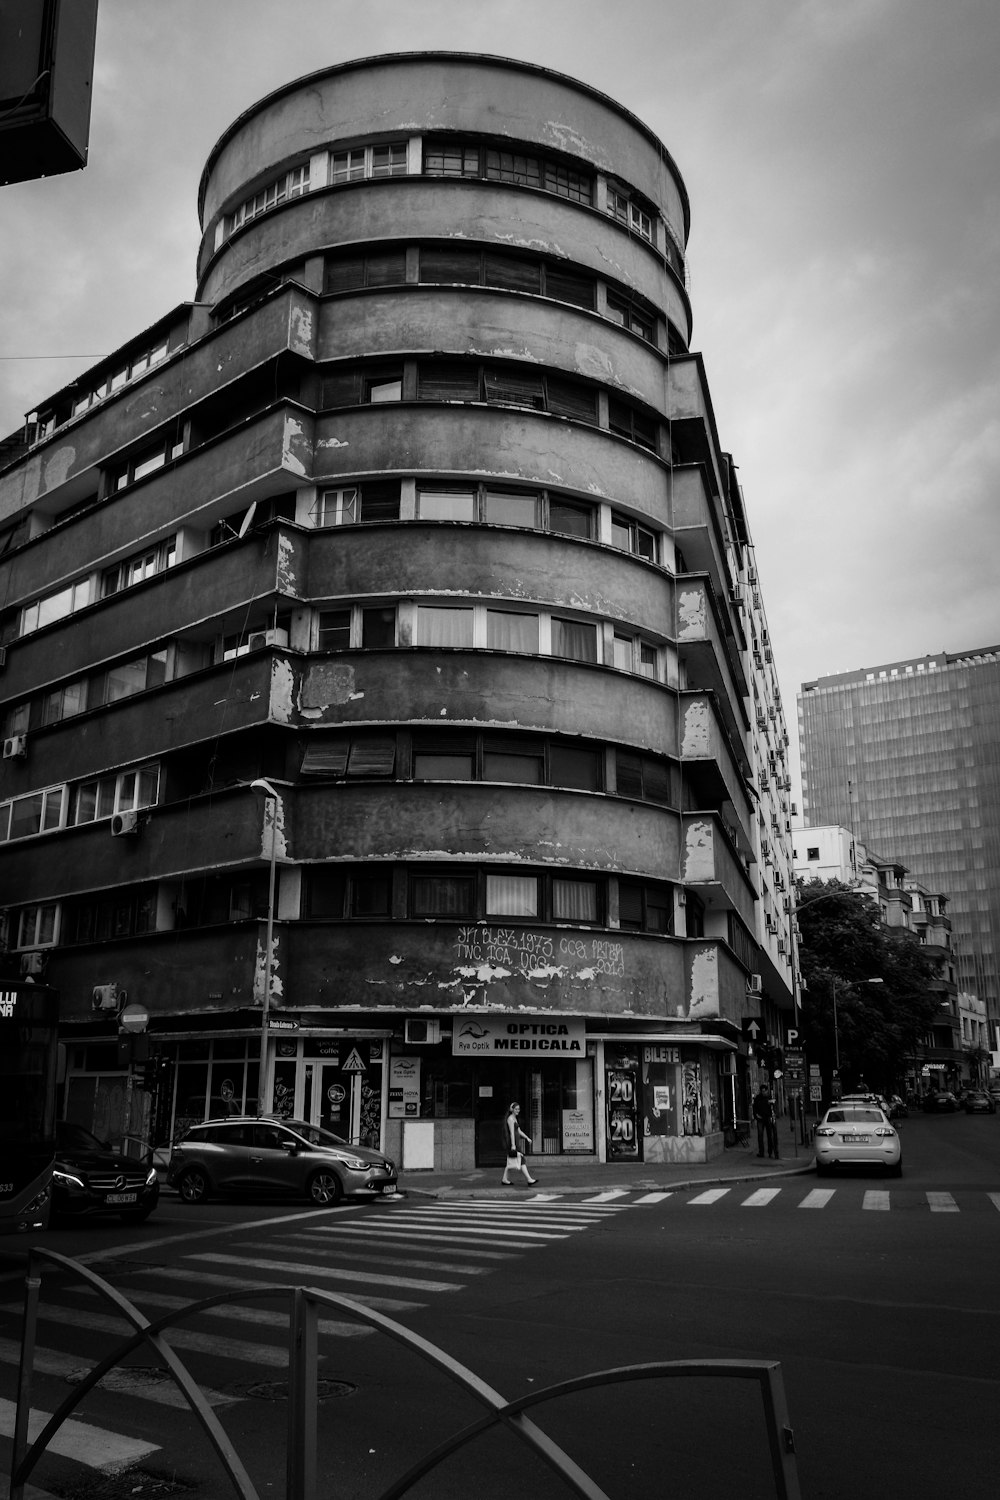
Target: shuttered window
x: 507, y: 386
x: 457, y: 266
x: 442, y: 380
x: 512, y: 273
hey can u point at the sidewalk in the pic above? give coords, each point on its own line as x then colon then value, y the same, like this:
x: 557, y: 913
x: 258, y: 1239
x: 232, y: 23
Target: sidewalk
x: 564, y: 1175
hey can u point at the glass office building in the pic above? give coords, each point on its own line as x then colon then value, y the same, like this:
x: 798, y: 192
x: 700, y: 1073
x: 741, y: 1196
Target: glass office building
x: 907, y: 756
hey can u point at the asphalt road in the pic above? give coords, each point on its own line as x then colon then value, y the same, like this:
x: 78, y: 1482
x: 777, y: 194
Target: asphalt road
x: 879, y: 1299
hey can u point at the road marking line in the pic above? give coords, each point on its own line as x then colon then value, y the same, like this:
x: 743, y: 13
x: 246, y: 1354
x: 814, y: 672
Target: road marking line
x: 341, y: 1330
x: 485, y: 1229
x: 178, y: 1338
x: 121, y: 1382
x: 329, y: 1273
x: 651, y: 1198
x: 994, y: 1199
x: 711, y: 1196
x: 391, y: 1243
x: 817, y: 1198
x: 402, y: 1259
x: 96, y: 1447
x: 607, y: 1197
x: 942, y: 1203
x: 761, y: 1198
x: 876, y: 1198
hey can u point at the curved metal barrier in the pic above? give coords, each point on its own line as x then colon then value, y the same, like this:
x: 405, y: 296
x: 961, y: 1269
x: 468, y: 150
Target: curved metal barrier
x: 303, y: 1331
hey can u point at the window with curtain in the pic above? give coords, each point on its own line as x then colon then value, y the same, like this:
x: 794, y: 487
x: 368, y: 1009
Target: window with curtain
x: 574, y: 639
x: 509, y: 630
x: 443, y: 896
x: 446, y: 505
x: 512, y: 896
x: 574, y: 900
x: 442, y: 626
x: 507, y: 508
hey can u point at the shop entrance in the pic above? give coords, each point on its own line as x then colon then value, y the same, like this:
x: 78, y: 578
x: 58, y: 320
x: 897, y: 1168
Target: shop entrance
x: 557, y: 1106
x: 344, y: 1095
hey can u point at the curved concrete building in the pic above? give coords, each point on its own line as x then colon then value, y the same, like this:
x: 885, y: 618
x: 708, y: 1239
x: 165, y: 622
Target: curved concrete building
x: 418, y: 515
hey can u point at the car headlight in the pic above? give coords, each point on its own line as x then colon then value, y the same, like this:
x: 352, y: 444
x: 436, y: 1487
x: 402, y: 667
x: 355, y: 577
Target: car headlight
x: 355, y: 1163
x: 151, y: 1177
x: 66, y: 1179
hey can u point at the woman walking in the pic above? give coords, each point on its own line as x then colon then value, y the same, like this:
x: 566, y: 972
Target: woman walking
x: 512, y: 1134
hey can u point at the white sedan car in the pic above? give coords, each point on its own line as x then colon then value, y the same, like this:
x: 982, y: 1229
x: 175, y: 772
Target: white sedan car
x: 852, y: 1134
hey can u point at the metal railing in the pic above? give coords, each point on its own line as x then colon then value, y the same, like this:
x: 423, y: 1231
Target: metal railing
x: 303, y: 1337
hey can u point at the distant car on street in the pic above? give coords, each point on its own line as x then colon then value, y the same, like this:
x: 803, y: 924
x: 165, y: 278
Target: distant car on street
x: 287, y: 1158
x: 978, y: 1102
x: 940, y: 1101
x: 89, y: 1178
x: 857, y: 1134
x: 897, y: 1108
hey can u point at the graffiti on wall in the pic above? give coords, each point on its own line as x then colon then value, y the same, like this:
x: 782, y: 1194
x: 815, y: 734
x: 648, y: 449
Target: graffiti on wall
x: 485, y: 952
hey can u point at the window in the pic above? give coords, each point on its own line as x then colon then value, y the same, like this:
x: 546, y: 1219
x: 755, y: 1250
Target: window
x: 628, y: 422
x: 631, y: 537
x: 289, y: 185
x: 443, y: 895
x: 464, y: 158
x: 39, y: 812
x: 147, y: 460
x: 357, y: 387
x: 53, y: 607
x: 64, y: 702
x: 378, y: 501
x: 446, y: 505
x: 812, y: 853
x: 522, y: 759
x: 635, y: 655
x: 512, y: 896
x: 631, y: 315
x: 645, y: 908
x: 510, y: 508
x: 378, y: 628
x: 574, y: 639
x: 643, y: 777
x: 447, y: 760
x: 106, y: 795
x: 574, y: 900
x: 372, y: 628
x: 140, y: 361
x: 515, y: 761
x: 37, y: 926
x: 347, y: 273
x: 571, y: 766
x: 360, y: 162
x: 140, y: 567
x: 447, y: 265
x: 131, y: 677
x: 334, y: 629
x: 510, y: 630
x: 629, y: 211
x: 333, y: 757
x: 444, y: 626
x: 570, y: 519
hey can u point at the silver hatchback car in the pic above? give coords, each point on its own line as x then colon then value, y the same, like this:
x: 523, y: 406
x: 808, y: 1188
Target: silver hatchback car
x: 853, y: 1134
x: 287, y: 1158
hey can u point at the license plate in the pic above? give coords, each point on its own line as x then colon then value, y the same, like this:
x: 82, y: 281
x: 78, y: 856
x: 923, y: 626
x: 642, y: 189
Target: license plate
x: 386, y: 1191
x: 856, y: 1140
x: 121, y: 1198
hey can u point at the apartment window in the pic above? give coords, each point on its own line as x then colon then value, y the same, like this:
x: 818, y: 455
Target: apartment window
x: 450, y: 759
x: 521, y: 759
x: 628, y: 422
x: 132, y: 677
x: 38, y: 812
x: 334, y: 629
x: 64, y: 702
x: 645, y: 908
x: 448, y: 265
x: 571, y: 766
x: 351, y: 757
x: 574, y: 639
x: 464, y: 158
x: 17, y: 720
x: 372, y: 628
x: 378, y: 627
x: 635, y: 655
x: 516, y: 761
x: 511, y: 630
x: 443, y: 895
x: 345, y: 893
x: 812, y: 853
x: 117, y: 914
x: 510, y: 508
x: 140, y: 567
x: 366, y: 387
x: 574, y: 900
x: 360, y: 162
x: 38, y: 925
x: 348, y: 273
x: 378, y: 501
x: 106, y: 795
x: 146, y: 461
x: 629, y: 211
x: 633, y: 316
x: 446, y: 505
x: 289, y: 185
x: 445, y: 626
x: 56, y: 606
x: 642, y: 777
x: 631, y: 537
x: 570, y: 519
x: 512, y: 896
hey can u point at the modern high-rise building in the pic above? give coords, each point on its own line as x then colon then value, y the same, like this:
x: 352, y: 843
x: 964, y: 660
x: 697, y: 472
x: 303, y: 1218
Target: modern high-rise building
x: 391, y: 726
x: 907, y: 756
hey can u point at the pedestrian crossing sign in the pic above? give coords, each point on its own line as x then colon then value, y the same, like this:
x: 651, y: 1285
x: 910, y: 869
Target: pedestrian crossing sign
x: 354, y: 1063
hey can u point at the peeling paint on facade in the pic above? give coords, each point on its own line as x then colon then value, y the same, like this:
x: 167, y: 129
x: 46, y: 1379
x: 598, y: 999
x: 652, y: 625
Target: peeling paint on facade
x: 295, y: 436
x: 58, y: 466
x: 327, y: 683
x: 300, y: 331
x: 280, y: 707
x: 287, y: 575
x: 696, y: 733
x: 699, y: 851
x: 704, y: 998
x: 692, y: 614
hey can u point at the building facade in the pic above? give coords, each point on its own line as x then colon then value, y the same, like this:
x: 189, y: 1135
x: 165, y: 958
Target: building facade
x: 907, y: 756
x: 390, y: 723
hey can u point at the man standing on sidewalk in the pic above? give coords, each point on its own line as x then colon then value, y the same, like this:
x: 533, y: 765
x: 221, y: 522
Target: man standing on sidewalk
x: 767, y: 1124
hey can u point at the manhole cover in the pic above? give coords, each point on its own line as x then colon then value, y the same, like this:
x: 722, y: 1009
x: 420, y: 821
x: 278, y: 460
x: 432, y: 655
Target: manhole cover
x: 124, y: 1485
x: 277, y: 1390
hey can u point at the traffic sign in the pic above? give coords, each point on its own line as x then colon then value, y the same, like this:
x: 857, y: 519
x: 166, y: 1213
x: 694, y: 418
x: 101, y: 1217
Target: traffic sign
x: 753, y: 1029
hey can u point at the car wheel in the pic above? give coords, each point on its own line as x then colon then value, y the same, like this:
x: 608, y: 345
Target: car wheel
x: 325, y: 1188
x: 194, y: 1186
x: 136, y: 1216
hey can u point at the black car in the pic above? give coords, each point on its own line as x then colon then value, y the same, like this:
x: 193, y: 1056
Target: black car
x: 940, y: 1101
x: 90, y: 1178
x: 978, y: 1102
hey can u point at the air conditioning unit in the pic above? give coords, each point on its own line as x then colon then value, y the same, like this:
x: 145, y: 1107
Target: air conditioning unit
x: 755, y: 984
x: 15, y: 747
x: 124, y: 823
x: 261, y: 639
x: 33, y: 963
x: 422, y: 1033
x: 761, y: 721
x: 108, y: 997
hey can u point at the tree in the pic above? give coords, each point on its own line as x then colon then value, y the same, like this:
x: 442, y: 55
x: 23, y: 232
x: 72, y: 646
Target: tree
x: 873, y: 1027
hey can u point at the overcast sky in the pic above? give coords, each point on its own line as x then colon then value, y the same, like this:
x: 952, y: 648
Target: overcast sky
x: 842, y: 158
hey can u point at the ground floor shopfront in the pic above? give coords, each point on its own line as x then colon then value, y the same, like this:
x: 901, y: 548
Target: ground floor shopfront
x: 434, y: 1093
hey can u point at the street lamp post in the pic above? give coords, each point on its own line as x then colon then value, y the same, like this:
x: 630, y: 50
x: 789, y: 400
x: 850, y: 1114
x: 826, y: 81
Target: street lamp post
x: 269, y: 792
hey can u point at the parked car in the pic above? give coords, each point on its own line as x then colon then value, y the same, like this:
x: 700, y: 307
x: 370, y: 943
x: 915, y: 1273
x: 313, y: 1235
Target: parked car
x: 994, y: 1094
x: 978, y: 1102
x: 90, y: 1178
x: 275, y: 1157
x: 857, y: 1135
x: 940, y: 1101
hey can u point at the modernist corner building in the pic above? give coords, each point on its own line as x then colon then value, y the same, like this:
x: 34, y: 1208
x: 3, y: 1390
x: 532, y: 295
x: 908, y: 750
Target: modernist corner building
x: 386, y: 690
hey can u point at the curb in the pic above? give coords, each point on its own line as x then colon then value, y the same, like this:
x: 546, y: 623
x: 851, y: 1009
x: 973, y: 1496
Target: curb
x: 646, y: 1186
